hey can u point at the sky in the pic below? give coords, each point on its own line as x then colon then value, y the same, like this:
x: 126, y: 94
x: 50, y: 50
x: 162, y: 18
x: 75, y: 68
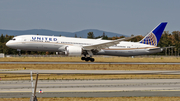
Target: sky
x: 137, y: 17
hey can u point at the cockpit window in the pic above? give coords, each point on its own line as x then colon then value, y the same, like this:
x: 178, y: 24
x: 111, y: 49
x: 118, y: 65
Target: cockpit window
x: 13, y: 39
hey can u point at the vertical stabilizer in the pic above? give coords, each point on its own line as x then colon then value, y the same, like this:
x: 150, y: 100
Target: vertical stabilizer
x: 153, y: 37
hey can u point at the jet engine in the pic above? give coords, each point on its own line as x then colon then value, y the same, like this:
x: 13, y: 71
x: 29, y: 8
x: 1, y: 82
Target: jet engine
x: 73, y: 51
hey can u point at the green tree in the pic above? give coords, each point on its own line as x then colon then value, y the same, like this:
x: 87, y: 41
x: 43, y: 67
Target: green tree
x: 104, y: 36
x: 2, y: 38
x: 1, y: 47
x: 137, y: 38
x: 165, y: 40
x: 176, y: 38
x: 90, y: 35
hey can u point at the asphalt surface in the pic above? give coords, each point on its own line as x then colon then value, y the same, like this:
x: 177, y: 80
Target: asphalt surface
x: 86, y: 63
x: 92, y: 88
x: 94, y: 94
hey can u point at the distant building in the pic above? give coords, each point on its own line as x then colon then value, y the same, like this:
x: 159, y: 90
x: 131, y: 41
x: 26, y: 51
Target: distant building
x: 1, y: 55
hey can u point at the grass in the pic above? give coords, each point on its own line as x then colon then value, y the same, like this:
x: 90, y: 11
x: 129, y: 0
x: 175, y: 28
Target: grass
x: 99, y: 99
x: 90, y: 67
x: 84, y: 77
x: 97, y: 59
x: 87, y: 67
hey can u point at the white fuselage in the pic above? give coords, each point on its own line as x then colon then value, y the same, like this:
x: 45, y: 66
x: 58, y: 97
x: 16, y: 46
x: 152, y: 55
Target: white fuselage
x: 58, y: 44
x: 125, y: 48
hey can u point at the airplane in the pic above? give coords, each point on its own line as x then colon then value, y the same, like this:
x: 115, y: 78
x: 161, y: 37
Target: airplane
x: 148, y: 45
x: 69, y: 46
x: 85, y: 47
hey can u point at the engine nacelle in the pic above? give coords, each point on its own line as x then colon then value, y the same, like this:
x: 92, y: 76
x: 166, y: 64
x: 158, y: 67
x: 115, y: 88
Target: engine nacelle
x: 73, y: 51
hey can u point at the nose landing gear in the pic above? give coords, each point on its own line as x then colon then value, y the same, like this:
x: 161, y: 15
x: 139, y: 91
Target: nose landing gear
x: 19, y: 52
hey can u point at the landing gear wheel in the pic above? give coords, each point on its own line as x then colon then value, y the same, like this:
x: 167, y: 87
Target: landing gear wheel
x: 83, y: 58
x: 92, y: 59
x: 86, y: 59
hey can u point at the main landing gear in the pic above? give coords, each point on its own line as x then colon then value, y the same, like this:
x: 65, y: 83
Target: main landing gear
x: 87, y: 59
x: 88, y: 52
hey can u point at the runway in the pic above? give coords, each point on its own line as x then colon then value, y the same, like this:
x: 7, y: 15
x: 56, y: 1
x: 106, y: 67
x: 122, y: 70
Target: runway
x: 140, y: 63
x: 94, y: 94
x: 93, y: 88
x: 97, y: 72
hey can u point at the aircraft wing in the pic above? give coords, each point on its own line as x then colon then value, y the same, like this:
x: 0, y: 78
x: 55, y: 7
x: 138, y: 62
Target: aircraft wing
x: 99, y: 38
x: 106, y: 44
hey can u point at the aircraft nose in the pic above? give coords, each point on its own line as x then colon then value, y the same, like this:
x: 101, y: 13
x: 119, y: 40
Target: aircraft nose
x: 8, y: 44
